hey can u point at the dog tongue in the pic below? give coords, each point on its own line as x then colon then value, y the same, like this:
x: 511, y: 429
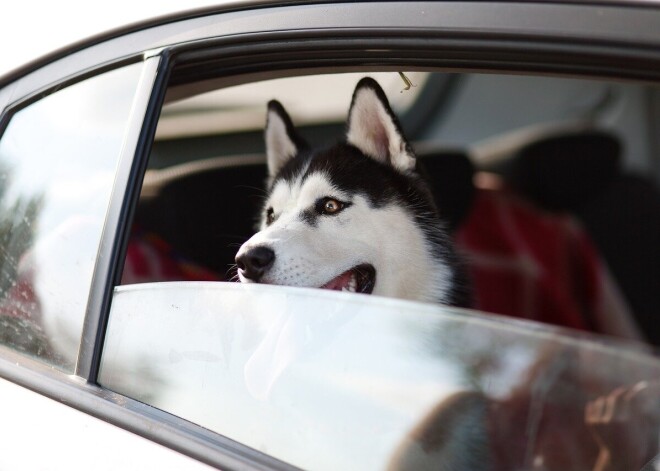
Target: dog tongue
x: 340, y: 282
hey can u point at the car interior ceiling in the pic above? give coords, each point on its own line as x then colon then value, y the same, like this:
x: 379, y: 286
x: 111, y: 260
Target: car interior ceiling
x: 203, y: 212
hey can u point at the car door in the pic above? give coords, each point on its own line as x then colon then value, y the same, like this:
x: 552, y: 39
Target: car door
x: 119, y: 354
x: 52, y: 227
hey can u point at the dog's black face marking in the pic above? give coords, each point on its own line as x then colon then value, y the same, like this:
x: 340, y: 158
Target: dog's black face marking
x: 309, y: 216
x: 354, y: 173
x: 375, y: 163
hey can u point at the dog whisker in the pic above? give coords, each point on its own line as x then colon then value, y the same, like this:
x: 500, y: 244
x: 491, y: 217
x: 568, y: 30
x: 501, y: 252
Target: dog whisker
x: 263, y: 193
x: 232, y: 273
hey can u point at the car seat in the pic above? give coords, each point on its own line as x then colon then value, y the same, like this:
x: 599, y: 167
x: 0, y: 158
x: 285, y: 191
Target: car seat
x: 523, y: 261
x: 204, y: 212
x: 581, y: 173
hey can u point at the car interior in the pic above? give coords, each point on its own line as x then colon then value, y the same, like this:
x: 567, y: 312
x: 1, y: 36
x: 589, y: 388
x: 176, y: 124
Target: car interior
x: 549, y: 185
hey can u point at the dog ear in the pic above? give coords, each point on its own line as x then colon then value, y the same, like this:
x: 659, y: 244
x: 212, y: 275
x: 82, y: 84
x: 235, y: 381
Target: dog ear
x: 374, y: 129
x: 282, y: 141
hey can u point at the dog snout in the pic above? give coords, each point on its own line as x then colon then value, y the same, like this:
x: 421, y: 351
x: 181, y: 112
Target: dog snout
x: 253, y: 263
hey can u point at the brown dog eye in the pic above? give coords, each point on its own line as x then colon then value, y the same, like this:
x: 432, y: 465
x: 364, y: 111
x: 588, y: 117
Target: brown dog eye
x: 270, y: 217
x: 331, y: 206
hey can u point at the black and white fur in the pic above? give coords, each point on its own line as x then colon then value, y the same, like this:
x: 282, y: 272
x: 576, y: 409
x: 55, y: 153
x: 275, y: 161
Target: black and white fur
x: 353, y: 217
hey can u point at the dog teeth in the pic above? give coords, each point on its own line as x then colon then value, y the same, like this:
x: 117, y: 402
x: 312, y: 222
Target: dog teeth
x: 351, y: 287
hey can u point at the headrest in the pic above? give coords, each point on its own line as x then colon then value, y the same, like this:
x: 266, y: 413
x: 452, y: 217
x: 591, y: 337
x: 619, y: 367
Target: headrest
x: 450, y: 175
x: 560, y: 172
x: 206, y: 215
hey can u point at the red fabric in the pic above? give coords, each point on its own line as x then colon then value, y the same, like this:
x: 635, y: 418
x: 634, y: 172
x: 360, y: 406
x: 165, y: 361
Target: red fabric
x: 529, y: 264
x: 150, y: 259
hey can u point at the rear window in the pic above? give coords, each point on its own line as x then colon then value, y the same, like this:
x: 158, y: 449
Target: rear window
x: 50, y: 223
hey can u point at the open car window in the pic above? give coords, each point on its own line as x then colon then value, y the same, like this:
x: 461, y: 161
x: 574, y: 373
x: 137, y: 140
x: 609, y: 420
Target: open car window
x: 553, y: 186
x: 333, y: 380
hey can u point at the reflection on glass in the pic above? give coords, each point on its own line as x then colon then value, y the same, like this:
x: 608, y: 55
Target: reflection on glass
x: 57, y: 165
x: 329, y: 380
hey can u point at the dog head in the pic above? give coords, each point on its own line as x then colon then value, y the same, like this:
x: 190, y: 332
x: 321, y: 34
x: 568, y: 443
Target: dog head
x: 353, y: 217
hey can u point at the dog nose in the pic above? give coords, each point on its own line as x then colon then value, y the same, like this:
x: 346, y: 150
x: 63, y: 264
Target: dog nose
x: 253, y: 263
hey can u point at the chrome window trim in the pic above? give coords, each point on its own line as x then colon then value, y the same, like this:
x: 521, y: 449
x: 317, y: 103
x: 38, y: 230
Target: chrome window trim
x: 126, y: 184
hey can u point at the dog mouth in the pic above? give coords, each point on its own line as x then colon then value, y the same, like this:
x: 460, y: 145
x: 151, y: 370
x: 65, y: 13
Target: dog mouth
x: 359, y: 279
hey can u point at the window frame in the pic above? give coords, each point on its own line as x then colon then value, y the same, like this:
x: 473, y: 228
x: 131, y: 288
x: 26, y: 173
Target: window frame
x: 128, y: 183
x: 465, y: 35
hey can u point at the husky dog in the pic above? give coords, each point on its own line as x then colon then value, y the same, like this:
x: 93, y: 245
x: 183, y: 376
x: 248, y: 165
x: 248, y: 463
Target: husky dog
x: 353, y: 217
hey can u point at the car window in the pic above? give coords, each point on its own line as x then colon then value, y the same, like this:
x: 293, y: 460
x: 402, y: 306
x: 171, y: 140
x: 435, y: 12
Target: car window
x: 332, y: 380
x: 58, y: 158
x: 329, y: 380
x: 562, y: 181
x: 240, y: 108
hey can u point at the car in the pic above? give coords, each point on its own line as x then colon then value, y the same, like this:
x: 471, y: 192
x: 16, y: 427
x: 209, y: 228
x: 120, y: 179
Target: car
x: 132, y: 168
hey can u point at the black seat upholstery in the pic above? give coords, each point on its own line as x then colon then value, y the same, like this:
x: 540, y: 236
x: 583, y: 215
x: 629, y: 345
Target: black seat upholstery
x: 581, y: 173
x: 450, y: 175
x: 207, y: 215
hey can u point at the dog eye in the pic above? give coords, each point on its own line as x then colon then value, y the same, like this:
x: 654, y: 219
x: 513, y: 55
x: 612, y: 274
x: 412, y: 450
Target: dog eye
x: 270, y: 217
x: 329, y: 206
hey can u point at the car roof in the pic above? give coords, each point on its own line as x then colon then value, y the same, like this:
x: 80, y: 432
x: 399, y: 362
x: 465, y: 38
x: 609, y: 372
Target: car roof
x: 62, y: 40
x: 30, y: 50
x: 606, y: 22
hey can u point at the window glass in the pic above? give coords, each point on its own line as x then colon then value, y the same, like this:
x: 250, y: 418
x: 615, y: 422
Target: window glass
x: 530, y: 194
x: 58, y: 158
x: 330, y: 380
